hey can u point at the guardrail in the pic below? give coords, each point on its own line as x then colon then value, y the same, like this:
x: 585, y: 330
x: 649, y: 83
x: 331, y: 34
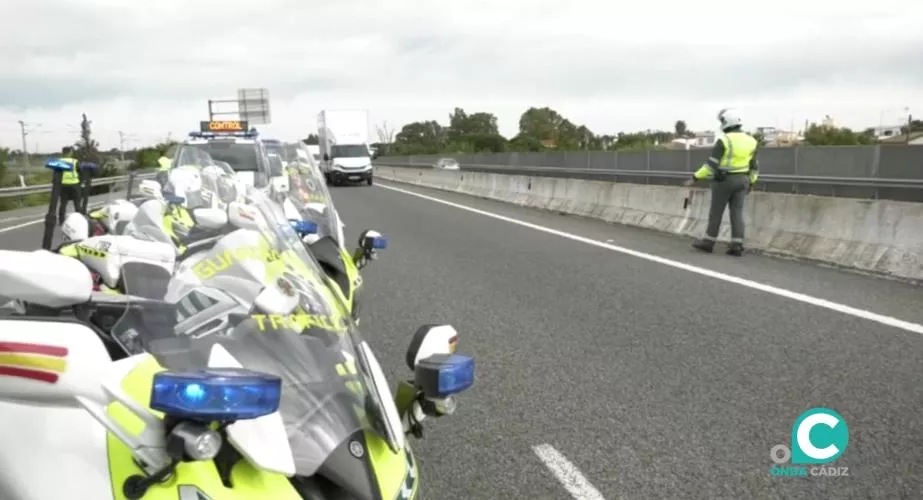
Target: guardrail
x: 850, y: 187
x: 44, y: 188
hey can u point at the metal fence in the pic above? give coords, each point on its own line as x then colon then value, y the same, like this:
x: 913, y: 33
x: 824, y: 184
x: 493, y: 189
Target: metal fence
x: 882, y: 171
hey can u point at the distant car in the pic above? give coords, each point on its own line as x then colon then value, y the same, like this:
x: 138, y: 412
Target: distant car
x: 447, y: 164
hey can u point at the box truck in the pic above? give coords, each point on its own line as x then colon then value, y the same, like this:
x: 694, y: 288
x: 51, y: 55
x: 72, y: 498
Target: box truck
x: 344, y: 146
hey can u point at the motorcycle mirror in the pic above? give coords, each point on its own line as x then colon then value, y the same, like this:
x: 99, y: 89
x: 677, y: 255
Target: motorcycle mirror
x: 242, y: 215
x: 280, y: 184
x: 372, y: 240
x: 273, y: 300
x: 430, y: 340
x: 150, y: 189
x: 210, y: 218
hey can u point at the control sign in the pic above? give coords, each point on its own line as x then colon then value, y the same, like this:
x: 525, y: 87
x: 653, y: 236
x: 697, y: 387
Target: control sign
x: 224, y: 126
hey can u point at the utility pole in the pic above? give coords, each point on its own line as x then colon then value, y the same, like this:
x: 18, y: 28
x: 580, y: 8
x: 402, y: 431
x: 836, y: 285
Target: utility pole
x: 25, y: 145
x: 121, y: 145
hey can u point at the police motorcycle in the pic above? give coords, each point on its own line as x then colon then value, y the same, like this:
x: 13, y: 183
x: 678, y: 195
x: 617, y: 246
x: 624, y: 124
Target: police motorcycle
x: 114, y: 215
x: 161, y: 229
x: 85, y: 417
x: 260, y: 291
x: 309, y: 200
x: 223, y: 387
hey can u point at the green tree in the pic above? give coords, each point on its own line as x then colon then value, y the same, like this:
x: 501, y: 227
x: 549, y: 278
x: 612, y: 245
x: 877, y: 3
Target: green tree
x: 311, y: 140
x: 86, y: 149
x: 420, y: 138
x: 822, y: 135
x: 524, y: 144
x: 679, y: 128
x: 462, y: 124
x: 543, y: 124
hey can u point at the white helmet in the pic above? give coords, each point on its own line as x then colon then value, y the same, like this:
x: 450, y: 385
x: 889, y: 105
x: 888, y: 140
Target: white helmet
x: 75, y: 227
x: 729, y: 117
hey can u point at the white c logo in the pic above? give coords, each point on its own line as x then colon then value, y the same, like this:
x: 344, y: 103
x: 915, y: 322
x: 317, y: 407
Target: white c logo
x: 804, y: 436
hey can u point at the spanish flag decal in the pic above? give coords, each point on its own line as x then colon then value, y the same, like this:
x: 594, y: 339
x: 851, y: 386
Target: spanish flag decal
x: 43, y: 363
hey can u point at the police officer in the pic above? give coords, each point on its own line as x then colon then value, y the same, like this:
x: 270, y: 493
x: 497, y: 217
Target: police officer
x: 733, y: 169
x: 70, y: 184
x: 163, y: 168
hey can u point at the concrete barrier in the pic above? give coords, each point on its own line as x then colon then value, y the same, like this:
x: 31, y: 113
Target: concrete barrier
x: 878, y: 236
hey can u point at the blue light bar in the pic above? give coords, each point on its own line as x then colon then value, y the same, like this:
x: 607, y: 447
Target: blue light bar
x: 379, y: 243
x: 56, y: 164
x: 456, y: 374
x: 216, y: 394
x: 174, y: 200
x: 303, y: 227
x: 211, y: 135
x: 442, y: 375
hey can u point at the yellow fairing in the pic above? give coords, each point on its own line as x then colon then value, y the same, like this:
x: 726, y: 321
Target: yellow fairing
x: 352, y: 274
x: 249, y: 483
x: 397, y: 473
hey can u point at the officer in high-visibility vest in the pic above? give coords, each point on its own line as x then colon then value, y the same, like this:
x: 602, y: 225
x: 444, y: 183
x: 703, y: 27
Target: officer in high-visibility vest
x: 163, y: 168
x: 70, y: 184
x: 733, y: 169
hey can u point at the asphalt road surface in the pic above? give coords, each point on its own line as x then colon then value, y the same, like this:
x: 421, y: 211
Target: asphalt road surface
x: 635, y: 368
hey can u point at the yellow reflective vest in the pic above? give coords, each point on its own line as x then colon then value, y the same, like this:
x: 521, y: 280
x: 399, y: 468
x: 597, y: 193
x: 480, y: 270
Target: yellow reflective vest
x: 70, y: 177
x: 739, y: 149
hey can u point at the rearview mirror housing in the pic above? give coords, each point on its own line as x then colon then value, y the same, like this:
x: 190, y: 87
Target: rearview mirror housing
x: 429, y: 340
x: 150, y: 188
x: 274, y: 301
x: 210, y: 218
x: 280, y: 184
x: 242, y: 215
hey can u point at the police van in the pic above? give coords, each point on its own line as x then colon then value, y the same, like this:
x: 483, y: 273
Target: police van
x: 231, y: 142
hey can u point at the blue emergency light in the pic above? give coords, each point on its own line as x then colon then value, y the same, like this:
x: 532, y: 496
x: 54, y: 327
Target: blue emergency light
x: 303, y: 227
x: 56, y: 164
x: 379, y: 243
x: 174, y: 200
x: 442, y: 375
x: 88, y: 165
x: 216, y: 394
x: 252, y: 134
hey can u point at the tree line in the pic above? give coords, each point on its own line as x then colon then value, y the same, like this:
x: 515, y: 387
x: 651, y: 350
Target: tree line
x: 542, y: 129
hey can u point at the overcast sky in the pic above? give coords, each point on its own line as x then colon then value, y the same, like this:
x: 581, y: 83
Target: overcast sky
x: 148, y: 68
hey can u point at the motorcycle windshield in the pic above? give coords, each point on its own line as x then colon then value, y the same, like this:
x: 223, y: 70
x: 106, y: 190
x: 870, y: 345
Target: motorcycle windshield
x: 309, y: 193
x: 296, y: 328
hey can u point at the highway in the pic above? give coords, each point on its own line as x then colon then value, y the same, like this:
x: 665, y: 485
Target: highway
x: 618, y: 363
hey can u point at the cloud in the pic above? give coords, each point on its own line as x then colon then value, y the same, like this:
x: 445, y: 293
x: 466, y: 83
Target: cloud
x: 148, y: 70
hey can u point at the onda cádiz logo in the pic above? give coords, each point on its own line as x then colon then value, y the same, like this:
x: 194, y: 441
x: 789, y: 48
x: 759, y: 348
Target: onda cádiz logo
x: 819, y: 436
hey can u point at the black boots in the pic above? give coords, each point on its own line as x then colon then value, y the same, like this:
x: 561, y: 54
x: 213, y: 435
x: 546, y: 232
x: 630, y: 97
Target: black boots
x: 708, y: 246
x: 735, y: 249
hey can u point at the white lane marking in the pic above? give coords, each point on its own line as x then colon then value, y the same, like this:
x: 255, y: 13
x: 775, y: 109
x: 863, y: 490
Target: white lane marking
x: 37, y: 221
x: 781, y: 292
x: 567, y: 473
x: 19, y: 226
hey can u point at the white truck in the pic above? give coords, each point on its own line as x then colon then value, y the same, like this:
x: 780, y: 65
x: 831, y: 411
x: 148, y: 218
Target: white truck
x: 344, y: 146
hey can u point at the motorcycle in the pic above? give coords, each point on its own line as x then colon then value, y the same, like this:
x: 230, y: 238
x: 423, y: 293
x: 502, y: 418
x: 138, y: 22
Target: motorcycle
x: 112, y: 217
x: 346, y: 432
x: 309, y: 200
x: 109, y: 424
